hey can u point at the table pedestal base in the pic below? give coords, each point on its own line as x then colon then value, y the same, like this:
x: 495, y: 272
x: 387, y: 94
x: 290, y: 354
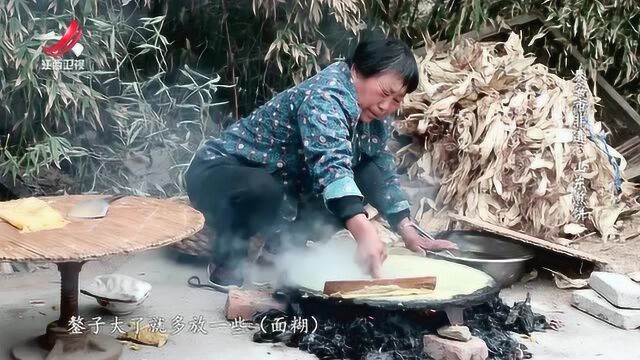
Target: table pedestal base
x: 60, y: 342
x: 68, y: 346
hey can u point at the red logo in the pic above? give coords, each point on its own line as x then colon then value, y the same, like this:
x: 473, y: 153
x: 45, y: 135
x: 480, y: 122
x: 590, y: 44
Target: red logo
x: 67, y: 42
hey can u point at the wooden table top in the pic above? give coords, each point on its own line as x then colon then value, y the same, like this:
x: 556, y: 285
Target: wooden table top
x: 132, y: 224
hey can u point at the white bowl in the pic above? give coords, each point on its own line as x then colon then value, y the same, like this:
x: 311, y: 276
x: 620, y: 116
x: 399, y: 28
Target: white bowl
x: 119, y: 294
x: 119, y: 308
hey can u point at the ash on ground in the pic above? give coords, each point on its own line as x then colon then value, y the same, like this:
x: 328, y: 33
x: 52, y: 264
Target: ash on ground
x: 348, y: 331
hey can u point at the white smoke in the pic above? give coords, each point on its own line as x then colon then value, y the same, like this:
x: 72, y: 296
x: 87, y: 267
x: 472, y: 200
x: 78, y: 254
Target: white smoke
x: 300, y: 264
x: 310, y: 267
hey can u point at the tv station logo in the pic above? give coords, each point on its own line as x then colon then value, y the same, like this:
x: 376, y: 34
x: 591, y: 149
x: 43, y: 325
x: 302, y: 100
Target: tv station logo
x: 63, y: 45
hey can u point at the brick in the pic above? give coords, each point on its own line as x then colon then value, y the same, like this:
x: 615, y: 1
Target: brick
x: 246, y: 303
x: 592, y: 303
x: 444, y: 349
x: 619, y: 289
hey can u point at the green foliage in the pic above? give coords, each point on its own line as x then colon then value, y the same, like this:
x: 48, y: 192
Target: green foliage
x: 605, y: 32
x: 164, y: 74
x: 262, y: 46
x: 88, y: 123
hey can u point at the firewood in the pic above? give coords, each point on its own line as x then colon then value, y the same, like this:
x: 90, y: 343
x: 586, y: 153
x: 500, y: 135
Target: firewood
x: 495, y: 131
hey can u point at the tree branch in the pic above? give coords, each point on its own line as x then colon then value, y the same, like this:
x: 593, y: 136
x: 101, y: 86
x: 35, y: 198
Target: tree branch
x: 414, y: 13
x: 230, y: 57
x: 398, y: 10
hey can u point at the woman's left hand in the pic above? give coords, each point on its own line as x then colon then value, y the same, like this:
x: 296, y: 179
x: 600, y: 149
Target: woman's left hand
x: 417, y: 243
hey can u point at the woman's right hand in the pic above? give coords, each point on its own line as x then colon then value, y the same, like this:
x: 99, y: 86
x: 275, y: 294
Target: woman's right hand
x: 371, y: 251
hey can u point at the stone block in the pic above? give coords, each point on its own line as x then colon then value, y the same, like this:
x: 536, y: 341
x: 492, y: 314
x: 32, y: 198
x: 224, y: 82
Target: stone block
x: 455, y: 332
x: 590, y: 302
x: 440, y: 348
x: 246, y: 303
x: 619, y: 289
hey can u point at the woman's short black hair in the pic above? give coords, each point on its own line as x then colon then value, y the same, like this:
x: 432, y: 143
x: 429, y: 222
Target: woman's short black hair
x: 373, y: 57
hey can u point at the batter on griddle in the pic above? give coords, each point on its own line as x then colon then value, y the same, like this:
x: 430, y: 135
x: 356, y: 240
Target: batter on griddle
x: 312, y: 267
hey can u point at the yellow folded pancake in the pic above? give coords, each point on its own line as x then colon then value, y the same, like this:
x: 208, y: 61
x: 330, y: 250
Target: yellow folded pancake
x: 31, y: 214
x: 145, y: 335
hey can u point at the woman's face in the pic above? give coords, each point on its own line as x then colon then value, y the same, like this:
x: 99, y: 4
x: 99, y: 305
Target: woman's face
x: 379, y: 95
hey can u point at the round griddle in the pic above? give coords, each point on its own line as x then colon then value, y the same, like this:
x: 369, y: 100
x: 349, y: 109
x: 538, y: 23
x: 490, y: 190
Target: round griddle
x: 478, y: 297
x: 468, y: 300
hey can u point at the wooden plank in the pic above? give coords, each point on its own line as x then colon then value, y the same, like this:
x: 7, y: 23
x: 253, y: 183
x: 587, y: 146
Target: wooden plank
x: 629, y: 146
x: 530, y: 240
x: 631, y: 152
x: 632, y: 172
x: 424, y: 282
x: 488, y: 31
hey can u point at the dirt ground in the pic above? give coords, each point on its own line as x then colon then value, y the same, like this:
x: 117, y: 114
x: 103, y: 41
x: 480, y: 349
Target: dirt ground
x: 581, y: 337
x: 621, y: 255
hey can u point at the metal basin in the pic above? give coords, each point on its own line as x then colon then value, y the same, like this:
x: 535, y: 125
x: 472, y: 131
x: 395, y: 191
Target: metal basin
x: 497, y: 256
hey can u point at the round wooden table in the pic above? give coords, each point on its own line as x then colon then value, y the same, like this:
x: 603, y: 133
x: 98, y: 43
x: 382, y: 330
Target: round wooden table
x: 133, y: 224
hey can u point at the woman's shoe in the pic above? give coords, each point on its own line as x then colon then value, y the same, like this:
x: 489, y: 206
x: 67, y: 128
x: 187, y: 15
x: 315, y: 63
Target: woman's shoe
x: 225, y: 277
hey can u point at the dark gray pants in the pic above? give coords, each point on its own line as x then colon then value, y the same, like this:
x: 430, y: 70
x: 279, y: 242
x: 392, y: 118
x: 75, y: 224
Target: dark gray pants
x: 240, y: 200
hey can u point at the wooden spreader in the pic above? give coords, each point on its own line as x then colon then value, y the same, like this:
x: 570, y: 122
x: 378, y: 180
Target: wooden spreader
x: 133, y: 224
x: 424, y: 282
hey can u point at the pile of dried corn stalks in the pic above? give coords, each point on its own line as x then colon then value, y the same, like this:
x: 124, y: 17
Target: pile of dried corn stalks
x: 495, y: 132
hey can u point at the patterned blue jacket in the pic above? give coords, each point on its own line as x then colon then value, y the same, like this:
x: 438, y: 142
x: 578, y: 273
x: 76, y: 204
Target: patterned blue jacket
x: 309, y: 137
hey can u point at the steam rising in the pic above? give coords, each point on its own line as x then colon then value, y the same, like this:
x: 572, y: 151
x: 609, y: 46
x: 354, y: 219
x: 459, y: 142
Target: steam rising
x: 334, y: 260
x: 309, y: 268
